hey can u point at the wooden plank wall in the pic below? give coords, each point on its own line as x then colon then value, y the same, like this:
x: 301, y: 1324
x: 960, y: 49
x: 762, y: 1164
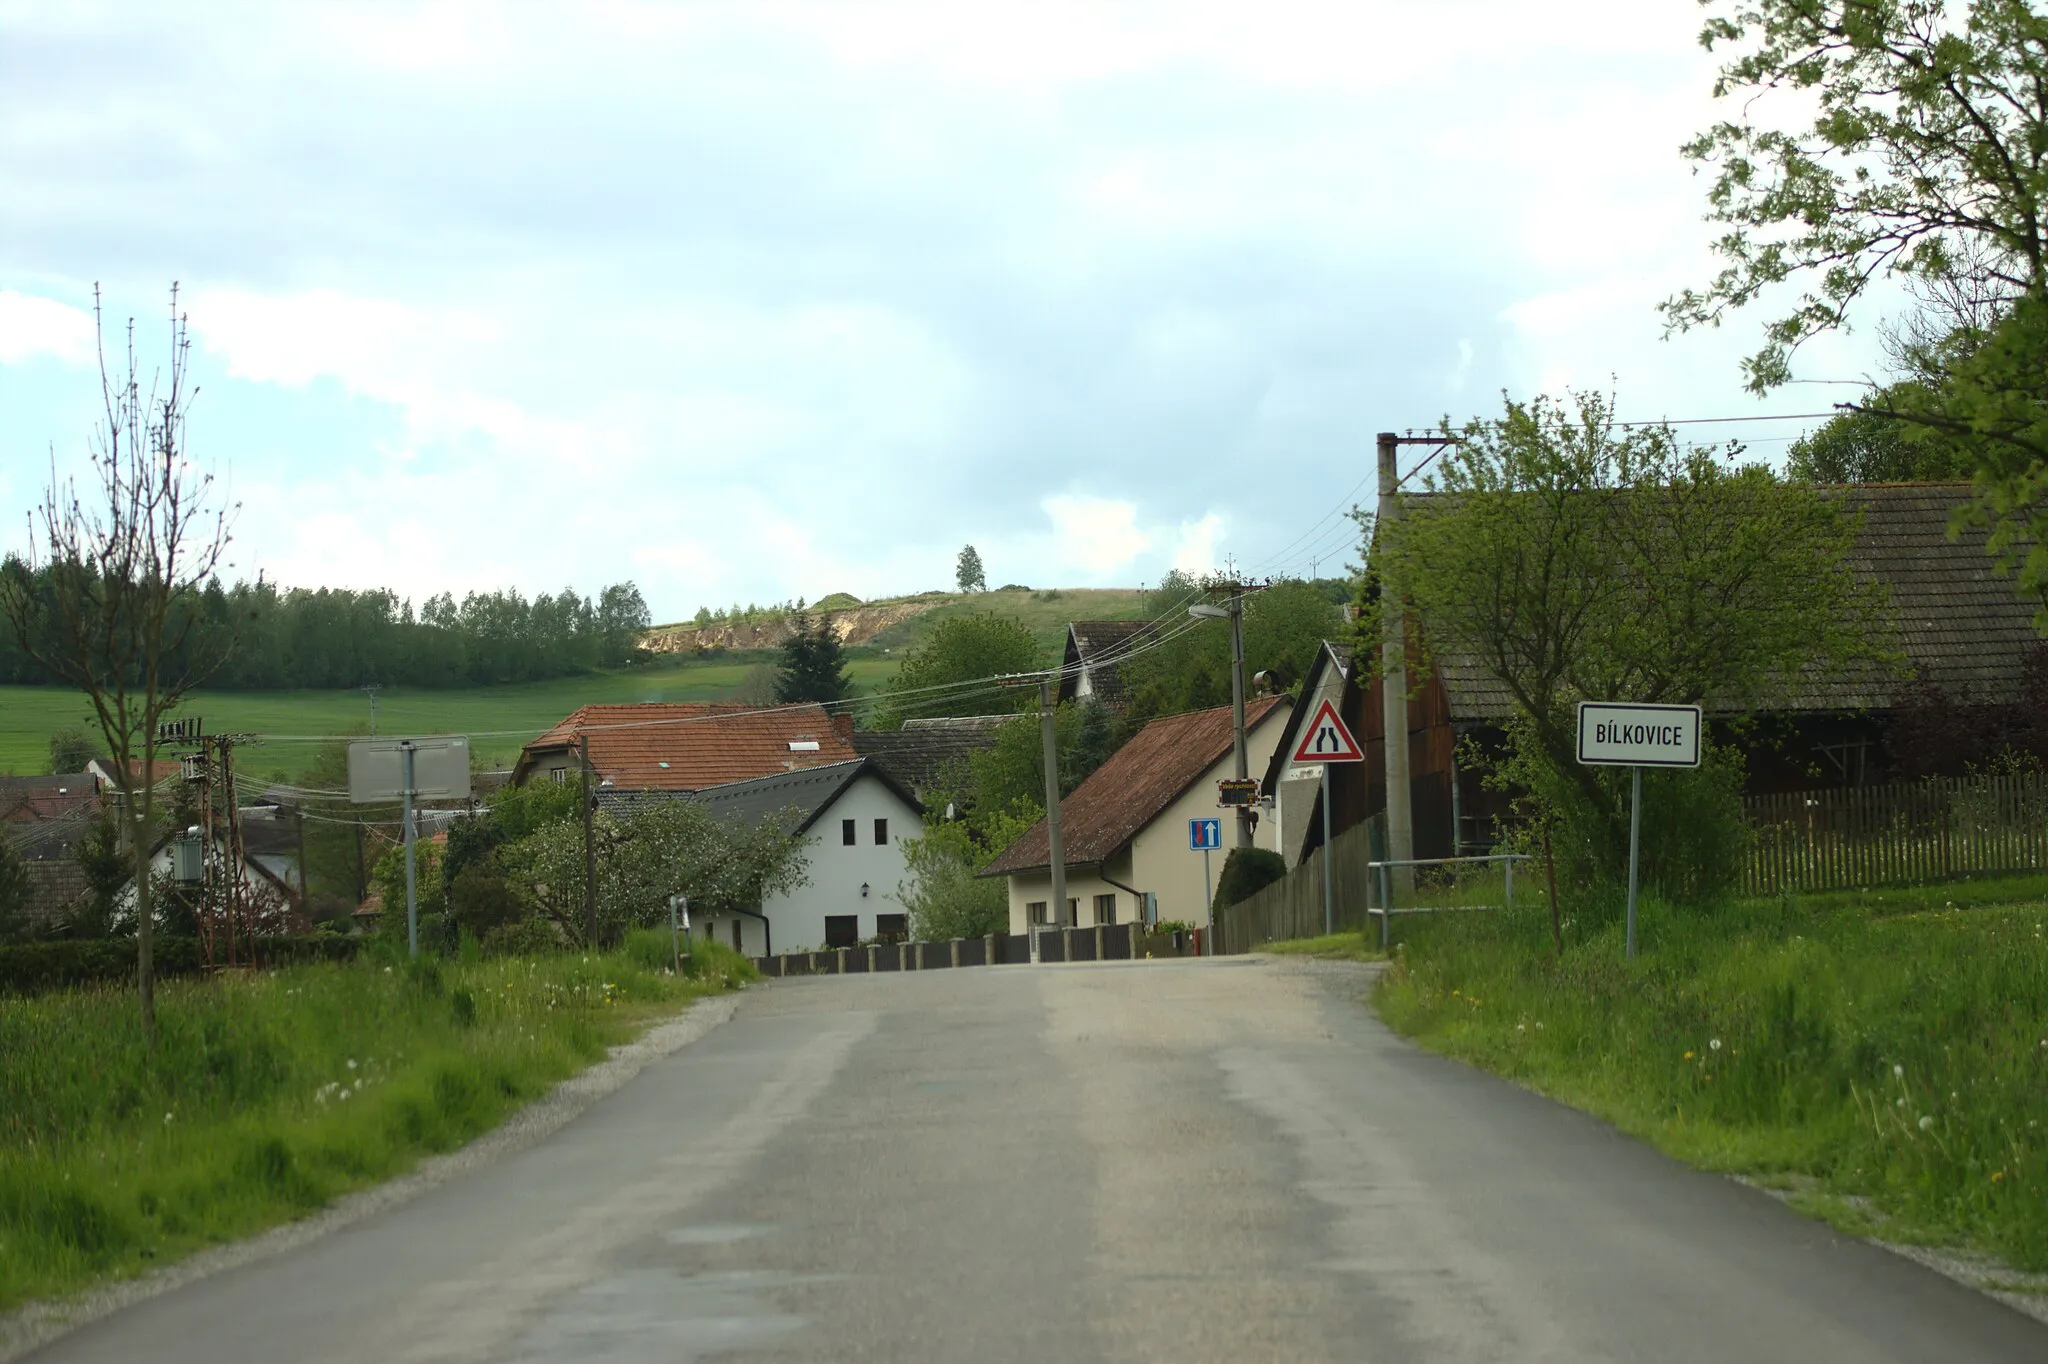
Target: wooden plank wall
x: 1292, y: 907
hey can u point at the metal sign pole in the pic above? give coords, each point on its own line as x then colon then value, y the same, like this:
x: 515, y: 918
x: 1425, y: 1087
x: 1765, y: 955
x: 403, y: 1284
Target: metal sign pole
x: 1209, y: 892
x: 1329, y: 896
x: 412, y: 903
x: 1635, y: 843
x: 675, y: 934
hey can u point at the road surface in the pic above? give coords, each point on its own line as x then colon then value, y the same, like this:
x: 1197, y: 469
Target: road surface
x: 1174, y: 1161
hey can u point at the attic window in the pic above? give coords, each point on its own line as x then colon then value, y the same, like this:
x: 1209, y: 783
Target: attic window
x: 803, y: 745
x: 661, y: 765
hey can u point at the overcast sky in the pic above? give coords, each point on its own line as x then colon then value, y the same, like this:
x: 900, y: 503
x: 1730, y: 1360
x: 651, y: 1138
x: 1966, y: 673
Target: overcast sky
x: 759, y: 300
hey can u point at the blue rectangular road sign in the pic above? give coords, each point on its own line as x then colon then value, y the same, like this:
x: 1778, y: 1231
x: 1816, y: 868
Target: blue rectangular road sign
x: 1204, y: 833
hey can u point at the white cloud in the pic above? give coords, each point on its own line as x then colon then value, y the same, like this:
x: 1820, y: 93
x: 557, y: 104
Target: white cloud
x: 1195, y: 550
x: 1096, y: 535
x: 32, y: 327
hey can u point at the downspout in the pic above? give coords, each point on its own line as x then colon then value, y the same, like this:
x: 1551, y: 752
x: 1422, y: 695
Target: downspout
x: 767, y: 930
x: 1136, y: 894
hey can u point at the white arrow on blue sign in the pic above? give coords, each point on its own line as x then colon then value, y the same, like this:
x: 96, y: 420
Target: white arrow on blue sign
x: 1204, y: 833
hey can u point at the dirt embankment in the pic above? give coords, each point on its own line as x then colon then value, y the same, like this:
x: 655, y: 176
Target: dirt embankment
x: 853, y: 625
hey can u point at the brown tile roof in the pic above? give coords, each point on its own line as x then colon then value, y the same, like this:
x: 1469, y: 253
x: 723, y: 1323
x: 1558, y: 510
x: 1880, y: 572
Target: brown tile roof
x: 36, y: 800
x: 688, y: 747
x: 1098, y: 646
x: 1105, y: 812
x: 1962, y: 626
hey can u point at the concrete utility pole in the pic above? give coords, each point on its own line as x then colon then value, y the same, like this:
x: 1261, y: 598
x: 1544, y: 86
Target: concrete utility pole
x: 1394, y: 672
x: 589, y: 844
x: 1056, y: 852
x: 1242, y: 765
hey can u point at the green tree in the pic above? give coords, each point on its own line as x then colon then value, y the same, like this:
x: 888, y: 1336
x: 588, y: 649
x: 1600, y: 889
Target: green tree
x: 1284, y: 625
x: 970, y: 648
x: 945, y: 895
x: 1866, y: 447
x: 71, y: 748
x: 813, y: 664
x: 105, y: 864
x: 1577, y: 560
x: 967, y: 572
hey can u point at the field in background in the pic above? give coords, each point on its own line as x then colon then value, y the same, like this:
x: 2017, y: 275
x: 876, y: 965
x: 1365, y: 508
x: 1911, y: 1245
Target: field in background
x: 1044, y: 613
x: 29, y: 715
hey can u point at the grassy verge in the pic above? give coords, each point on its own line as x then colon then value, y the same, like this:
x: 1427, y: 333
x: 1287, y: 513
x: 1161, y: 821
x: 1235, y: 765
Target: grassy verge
x: 268, y: 1095
x: 1883, y: 1051
x: 1330, y: 947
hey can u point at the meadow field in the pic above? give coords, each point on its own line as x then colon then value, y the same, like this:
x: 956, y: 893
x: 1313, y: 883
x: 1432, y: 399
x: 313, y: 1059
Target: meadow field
x: 499, y: 719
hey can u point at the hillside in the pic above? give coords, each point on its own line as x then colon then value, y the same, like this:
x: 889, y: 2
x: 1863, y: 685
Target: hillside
x: 894, y: 624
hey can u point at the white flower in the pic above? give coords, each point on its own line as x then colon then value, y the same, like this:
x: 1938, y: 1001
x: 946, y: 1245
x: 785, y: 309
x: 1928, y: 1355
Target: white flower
x: 1926, y: 1123
x: 345, y: 1093
x: 1900, y: 1071
x: 167, y: 1120
x: 1715, y: 1043
x: 1539, y: 1026
x: 351, y: 1063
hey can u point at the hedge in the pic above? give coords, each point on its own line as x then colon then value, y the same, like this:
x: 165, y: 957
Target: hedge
x: 33, y: 968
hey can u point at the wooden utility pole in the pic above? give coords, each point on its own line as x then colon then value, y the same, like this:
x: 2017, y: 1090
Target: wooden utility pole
x: 589, y: 844
x: 1394, y: 668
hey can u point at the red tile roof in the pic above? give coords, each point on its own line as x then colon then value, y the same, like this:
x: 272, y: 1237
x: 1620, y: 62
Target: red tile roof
x: 689, y: 747
x: 1105, y: 812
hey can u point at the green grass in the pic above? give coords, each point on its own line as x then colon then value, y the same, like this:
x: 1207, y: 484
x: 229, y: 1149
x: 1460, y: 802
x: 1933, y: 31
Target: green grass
x: 1348, y: 946
x: 269, y: 1095
x: 1044, y: 613
x: 1884, y: 1053
x: 29, y: 715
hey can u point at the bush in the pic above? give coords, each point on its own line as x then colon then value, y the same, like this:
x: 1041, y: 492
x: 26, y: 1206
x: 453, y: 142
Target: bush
x: 527, y: 938
x: 1246, y: 872
x: 35, y: 968
x: 482, y: 900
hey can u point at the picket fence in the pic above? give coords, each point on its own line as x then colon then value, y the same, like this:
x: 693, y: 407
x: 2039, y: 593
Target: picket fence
x: 1887, y: 835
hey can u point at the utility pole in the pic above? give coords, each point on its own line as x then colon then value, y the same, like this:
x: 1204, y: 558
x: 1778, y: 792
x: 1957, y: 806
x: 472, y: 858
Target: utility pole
x: 412, y: 899
x: 1056, y: 851
x: 589, y: 845
x: 1394, y: 673
x: 1242, y: 764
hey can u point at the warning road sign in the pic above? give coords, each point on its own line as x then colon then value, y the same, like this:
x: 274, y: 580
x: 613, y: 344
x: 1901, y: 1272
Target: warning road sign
x: 1326, y: 740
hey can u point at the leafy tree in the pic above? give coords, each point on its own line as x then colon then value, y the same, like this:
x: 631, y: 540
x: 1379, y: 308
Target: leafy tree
x: 1578, y: 560
x: 71, y: 748
x: 813, y: 664
x: 1864, y: 447
x: 1923, y: 155
x: 1175, y: 591
x: 1284, y: 625
x: 945, y: 896
x: 106, y: 866
x: 962, y: 649
x: 968, y: 572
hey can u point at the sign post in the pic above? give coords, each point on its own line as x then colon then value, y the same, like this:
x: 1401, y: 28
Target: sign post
x: 675, y: 932
x: 1614, y: 734
x: 381, y: 769
x: 1326, y: 740
x: 1205, y: 834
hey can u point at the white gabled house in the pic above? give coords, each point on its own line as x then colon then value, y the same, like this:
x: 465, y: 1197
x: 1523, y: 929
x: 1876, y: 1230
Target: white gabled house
x: 852, y: 818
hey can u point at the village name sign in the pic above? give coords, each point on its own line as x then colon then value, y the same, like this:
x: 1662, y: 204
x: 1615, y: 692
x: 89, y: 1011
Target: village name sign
x: 1616, y: 734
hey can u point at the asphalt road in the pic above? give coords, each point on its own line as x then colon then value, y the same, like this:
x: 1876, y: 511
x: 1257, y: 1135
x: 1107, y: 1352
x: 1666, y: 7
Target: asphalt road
x: 1188, y: 1162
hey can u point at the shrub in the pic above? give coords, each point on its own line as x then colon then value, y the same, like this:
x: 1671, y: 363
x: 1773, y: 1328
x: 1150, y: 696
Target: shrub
x: 526, y: 938
x: 35, y: 968
x: 1246, y: 872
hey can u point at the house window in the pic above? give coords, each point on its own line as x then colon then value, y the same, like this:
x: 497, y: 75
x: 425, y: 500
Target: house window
x: 1035, y: 911
x: 1105, y: 909
x: 892, y: 927
x: 846, y: 832
x: 842, y: 930
x: 881, y: 832
x: 560, y: 774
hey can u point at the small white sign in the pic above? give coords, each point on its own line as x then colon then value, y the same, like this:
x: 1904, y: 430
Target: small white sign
x: 1613, y: 734
x: 1305, y: 774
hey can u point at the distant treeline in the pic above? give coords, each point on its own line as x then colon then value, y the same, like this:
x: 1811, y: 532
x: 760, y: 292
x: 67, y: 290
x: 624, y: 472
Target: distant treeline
x: 334, y: 637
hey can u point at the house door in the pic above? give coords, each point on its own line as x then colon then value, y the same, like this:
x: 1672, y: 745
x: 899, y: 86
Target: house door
x: 737, y: 945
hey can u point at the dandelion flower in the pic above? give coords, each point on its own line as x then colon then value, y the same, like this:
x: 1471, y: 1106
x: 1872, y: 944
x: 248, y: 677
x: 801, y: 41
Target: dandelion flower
x: 1997, y: 1175
x: 1926, y: 1123
x: 1688, y: 1056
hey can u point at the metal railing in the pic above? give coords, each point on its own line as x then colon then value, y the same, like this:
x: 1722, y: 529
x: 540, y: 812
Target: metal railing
x: 1381, y: 875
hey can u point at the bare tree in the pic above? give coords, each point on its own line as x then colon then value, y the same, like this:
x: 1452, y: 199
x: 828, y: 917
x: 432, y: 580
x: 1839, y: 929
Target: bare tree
x: 108, y: 596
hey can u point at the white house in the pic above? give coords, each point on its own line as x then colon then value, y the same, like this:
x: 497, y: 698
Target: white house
x: 1296, y: 797
x: 1124, y: 831
x: 852, y: 818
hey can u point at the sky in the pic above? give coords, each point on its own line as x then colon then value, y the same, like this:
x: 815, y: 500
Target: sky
x: 754, y: 301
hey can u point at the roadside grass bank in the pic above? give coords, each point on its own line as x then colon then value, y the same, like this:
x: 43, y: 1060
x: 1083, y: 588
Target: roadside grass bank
x: 1884, y: 1053
x: 1329, y: 947
x: 269, y: 1095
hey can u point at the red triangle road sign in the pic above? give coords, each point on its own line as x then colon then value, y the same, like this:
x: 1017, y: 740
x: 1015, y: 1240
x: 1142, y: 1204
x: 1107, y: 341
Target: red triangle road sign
x: 1326, y: 740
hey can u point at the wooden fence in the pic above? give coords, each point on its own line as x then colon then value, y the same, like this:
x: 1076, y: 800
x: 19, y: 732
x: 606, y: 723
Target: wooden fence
x: 1879, y: 835
x: 1292, y: 907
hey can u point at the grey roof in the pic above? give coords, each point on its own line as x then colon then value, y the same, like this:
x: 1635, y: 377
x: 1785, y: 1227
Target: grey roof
x: 1098, y: 646
x: 1963, y: 626
x: 922, y: 751
x: 1334, y: 653
x: 802, y: 795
